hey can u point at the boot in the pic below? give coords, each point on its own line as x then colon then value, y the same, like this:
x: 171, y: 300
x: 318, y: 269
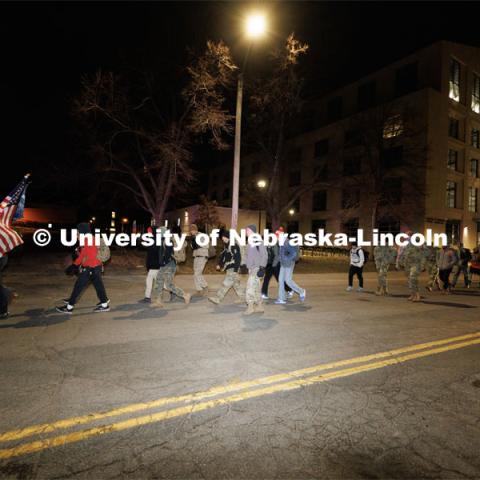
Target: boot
x: 379, y: 291
x: 187, y: 297
x: 214, y: 300
x: 410, y: 298
x: 158, y: 303
x: 416, y: 297
x: 250, y: 309
x: 258, y: 308
x: 385, y: 291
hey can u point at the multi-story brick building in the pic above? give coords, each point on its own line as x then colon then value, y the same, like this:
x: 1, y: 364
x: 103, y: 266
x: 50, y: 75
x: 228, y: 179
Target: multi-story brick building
x: 434, y: 92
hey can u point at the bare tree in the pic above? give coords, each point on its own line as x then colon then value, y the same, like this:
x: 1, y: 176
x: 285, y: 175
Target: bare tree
x: 207, y: 215
x: 384, y: 162
x: 142, y: 136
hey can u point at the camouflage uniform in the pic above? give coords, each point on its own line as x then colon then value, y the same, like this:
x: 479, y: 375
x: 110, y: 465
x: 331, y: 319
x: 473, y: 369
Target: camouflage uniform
x: 413, y: 260
x: 431, y: 266
x: 231, y: 280
x: 253, y: 294
x: 165, y: 280
x: 384, y: 256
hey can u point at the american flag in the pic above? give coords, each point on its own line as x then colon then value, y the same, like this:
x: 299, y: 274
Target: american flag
x: 11, y: 208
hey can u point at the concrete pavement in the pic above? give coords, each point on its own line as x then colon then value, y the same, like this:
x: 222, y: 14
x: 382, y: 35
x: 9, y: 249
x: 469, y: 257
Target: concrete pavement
x: 383, y: 418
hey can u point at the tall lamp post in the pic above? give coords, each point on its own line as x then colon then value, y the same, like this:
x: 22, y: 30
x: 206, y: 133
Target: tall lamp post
x: 261, y: 184
x: 255, y: 28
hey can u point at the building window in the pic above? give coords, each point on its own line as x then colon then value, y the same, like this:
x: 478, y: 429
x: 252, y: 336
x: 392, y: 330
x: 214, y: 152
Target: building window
x: 318, y: 225
x: 350, y: 198
x: 406, y: 79
x: 452, y: 162
x: 474, y: 167
x: 392, y: 157
x: 319, y: 202
x: 454, y: 84
x: 475, y: 138
x: 334, y: 109
x: 452, y: 229
x: 472, y: 199
x: 321, y: 148
x: 476, y: 94
x: 393, y: 126
x: 453, y: 127
x: 351, y: 227
x: 366, y: 95
x: 352, y: 166
x: 389, y: 225
x: 451, y: 194
x: 320, y: 172
x: 392, y: 191
x: 295, y: 178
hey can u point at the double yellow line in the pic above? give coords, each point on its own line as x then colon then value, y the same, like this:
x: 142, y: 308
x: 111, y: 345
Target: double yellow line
x: 197, y: 402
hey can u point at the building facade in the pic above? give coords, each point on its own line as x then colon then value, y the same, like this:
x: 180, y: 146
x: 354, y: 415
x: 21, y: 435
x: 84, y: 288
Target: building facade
x: 399, y: 149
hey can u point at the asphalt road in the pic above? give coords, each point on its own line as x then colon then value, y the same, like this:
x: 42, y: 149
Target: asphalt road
x: 347, y: 385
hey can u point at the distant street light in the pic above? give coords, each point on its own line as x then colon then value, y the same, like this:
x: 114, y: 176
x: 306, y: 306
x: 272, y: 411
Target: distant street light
x: 291, y: 211
x: 261, y: 183
x: 255, y: 27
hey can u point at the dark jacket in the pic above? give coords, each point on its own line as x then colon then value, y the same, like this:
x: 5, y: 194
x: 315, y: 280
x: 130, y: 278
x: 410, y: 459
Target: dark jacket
x: 159, y: 256
x: 230, y: 258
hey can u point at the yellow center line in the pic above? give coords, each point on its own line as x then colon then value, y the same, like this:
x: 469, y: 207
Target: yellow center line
x: 218, y: 390
x: 198, y: 407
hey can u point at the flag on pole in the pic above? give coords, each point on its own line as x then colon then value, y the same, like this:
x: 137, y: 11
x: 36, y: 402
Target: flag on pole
x: 11, y: 208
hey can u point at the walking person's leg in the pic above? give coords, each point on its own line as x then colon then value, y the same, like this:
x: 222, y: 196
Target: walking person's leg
x: 237, y: 285
x: 250, y: 291
x: 351, y: 272
x: 360, y: 277
x: 266, y: 280
x: 290, y: 282
x: 3, y: 302
x: 149, y: 283
x: 281, y: 286
x: 170, y: 286
x: 198, y: 278
x: 96, y: 277
x: 227, y: 284
x: 80, y: 285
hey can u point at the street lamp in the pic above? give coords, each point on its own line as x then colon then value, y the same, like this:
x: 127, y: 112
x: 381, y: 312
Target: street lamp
x: 261, y: 184
x: 291, y: 211
x: 255, y: 26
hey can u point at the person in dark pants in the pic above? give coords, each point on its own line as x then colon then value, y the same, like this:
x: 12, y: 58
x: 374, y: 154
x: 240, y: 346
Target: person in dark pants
x: 273, y: 268
x: 446, y: 260
x: 3, y: 290
x: 90, y: 271
x: 357, y: 260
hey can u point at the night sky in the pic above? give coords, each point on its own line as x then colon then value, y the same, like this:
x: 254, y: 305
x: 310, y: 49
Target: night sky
x: 47, y: 47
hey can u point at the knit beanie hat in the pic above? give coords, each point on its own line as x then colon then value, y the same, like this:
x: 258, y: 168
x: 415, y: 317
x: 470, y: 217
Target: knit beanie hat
x: 253, y: 228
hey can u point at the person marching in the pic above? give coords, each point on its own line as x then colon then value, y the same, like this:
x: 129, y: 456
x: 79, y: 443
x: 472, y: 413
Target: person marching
x: 288, y: 256
x: 464, y: 257
x: 384, y: 257
x: 152, y: 264
x: 357, y: 261
x: 90, y: 263
x: 229, y: 262
x: 255, y: 260
x: 413, y: 261
x: 166, y: 273
x: 447, y: 259
x: 200, y: 259
x: 431, y: 266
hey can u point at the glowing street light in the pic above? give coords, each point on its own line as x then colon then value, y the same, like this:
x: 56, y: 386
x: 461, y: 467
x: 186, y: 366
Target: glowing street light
x: 255, y: 26
x: 261, y: 184
x: 291, y: 211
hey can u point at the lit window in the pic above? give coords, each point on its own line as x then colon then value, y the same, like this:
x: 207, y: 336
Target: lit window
x: 472, y: 199
x: 454, y: 84
x: 452, y: 162
x: 476, y: 94
x: 451, y: 198
x: 393, y: 127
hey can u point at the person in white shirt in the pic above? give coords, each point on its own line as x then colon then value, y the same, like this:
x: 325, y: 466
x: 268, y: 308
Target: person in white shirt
x: 357, y: 260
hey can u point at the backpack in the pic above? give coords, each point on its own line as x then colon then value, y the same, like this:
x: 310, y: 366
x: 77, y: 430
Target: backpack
x: 212, y: 251
x: 103, y: 252
x: 180, y: 255
x: 366, y: 255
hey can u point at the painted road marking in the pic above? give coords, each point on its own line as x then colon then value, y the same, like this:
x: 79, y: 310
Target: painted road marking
x: 220, y: 390
x: 81, y: 435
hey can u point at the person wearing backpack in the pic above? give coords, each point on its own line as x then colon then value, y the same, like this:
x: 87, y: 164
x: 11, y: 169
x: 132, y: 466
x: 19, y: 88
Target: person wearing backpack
x: 200, y: 259
x: 90, y: 270
x: 228, y: 262
x: 288, y: 255
x: 166, y: 273
x: 357, y: 261
x: 464, y: 257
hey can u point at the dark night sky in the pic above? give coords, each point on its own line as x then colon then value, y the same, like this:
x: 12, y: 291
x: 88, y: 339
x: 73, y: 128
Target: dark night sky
x: 47, y: 47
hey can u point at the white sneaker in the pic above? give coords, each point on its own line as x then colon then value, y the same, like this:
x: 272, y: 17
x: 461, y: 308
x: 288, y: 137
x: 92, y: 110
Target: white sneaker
x: 290, y: 294
x: 360, y: 289
x: 264, y: 297
x: 349, y: 289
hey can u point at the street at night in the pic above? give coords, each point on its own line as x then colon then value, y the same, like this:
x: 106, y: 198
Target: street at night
x: 346, y: 385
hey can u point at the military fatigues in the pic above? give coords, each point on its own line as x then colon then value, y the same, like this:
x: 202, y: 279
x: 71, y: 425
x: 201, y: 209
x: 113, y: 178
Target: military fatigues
x: 200, y: 259
x: 253, y: 293
x: 413, y: 261
x: 165, y: 280
x: 229, y: 262
x: 255, y: 260
x: 431, y: 266
x: 384, y: 256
